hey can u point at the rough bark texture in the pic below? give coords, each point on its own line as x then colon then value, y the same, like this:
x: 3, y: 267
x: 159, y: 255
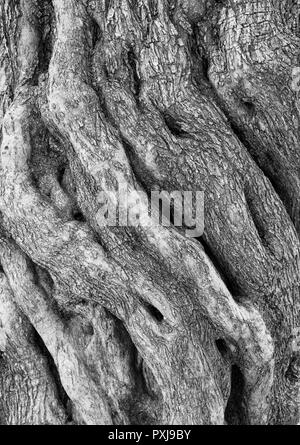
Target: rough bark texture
x: 143, y: 325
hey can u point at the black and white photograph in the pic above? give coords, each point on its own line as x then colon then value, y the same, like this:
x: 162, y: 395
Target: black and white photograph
x: 149, y: 215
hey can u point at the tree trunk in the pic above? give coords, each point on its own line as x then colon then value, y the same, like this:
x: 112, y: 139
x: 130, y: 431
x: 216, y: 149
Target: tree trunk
x: 143, y: 324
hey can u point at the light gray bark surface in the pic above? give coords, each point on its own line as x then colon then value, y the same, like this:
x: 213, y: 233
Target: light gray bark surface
x: 143, y: 325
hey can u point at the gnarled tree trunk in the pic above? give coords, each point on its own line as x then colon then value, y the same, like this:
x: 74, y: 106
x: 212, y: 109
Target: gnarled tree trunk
x: 142, y: 324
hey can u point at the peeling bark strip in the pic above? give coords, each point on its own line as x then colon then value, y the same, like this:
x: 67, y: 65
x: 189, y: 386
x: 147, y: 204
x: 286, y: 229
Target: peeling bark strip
x: 142, y: 324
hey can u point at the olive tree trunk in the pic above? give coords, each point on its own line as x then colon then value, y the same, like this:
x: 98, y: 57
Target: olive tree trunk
x: 143, y: 324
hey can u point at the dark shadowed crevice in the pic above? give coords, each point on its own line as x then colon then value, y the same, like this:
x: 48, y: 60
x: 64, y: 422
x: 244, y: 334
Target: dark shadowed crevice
x: 63, y: 397
x: 132, y: 61
x: 174, y: 126
x: 94, y: 36
x: 205, y: 68
x: 219, y: 3
x: 234, y: 412
x: 293, y: 371
x: 96, y: 33
x: 200, y: 63
x: 139, y: 170
x: 47, y: 36
x: 248, y: 106
x: 79, y: 216
x: 260, y: 227
x: 140, y: 403
x: 104, y: 107
x: 230, y: 284
x: 222, y: 347
x: 154, y: 312
x: 60, y: 175
x: 107, y: 5
x: 126, y: 342
x: 43, y: 278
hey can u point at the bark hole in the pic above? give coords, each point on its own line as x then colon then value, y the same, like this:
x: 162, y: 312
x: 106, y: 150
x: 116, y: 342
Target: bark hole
x: 248, y: 106
x: 154, y: 312
x: 174, y: 126
x: 78, y: 216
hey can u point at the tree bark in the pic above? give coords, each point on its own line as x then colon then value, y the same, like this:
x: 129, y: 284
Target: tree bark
x: 142, y: 324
